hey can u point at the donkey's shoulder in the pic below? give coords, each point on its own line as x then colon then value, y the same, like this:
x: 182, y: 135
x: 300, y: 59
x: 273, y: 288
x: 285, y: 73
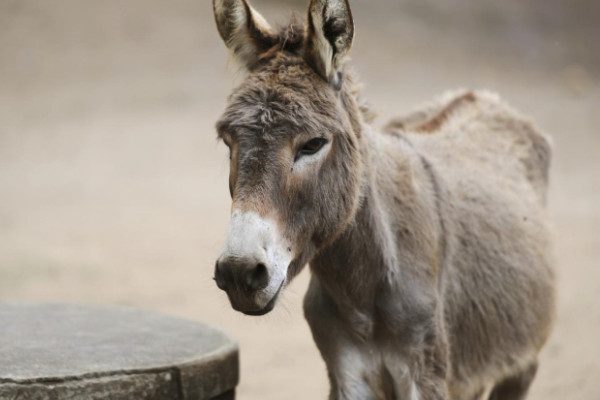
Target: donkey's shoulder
x: 479, y: 125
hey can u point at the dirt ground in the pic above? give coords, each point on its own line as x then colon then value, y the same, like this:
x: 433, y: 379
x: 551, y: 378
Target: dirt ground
x: 113, y: 188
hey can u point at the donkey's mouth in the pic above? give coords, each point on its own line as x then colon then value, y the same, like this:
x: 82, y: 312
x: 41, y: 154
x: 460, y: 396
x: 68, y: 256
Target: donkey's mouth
x: 270, y: 305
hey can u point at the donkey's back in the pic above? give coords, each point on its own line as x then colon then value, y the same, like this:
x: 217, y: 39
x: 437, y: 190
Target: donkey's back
x: 492, y: 167
x: 477, y: 130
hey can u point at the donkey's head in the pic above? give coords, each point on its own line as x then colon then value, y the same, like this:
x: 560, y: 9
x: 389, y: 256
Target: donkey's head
x: 293, y: 131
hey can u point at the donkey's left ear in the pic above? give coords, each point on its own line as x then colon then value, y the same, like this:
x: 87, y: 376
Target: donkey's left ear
x: 244, y: 31
x: 329, y: 37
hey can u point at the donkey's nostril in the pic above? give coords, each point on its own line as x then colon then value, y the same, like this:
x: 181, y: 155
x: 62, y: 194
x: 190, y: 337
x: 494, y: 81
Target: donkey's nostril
x: 257, y: 278
x: 221, y: 277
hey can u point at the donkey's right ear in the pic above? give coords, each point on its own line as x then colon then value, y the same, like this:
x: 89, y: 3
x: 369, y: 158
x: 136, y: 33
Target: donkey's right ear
x: 244, y: 31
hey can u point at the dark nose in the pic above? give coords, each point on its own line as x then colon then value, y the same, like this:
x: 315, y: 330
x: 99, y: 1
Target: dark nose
x: 235, y: 273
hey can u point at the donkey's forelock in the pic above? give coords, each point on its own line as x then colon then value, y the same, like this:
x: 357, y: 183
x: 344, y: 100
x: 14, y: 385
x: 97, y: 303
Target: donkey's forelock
x: 283, y: 95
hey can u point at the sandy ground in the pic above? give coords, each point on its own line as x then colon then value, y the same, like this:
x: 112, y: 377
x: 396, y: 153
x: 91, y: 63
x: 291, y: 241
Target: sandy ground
x: 113, y: 188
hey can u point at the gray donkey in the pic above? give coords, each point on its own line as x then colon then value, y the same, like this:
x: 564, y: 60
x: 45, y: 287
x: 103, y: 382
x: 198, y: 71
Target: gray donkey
x: 427, y: 242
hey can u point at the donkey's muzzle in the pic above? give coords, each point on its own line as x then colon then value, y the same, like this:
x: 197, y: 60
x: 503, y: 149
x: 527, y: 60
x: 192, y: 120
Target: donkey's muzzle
x: 252, y: 268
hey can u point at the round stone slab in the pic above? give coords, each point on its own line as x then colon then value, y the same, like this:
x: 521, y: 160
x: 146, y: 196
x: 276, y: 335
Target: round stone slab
x: 59, y: 351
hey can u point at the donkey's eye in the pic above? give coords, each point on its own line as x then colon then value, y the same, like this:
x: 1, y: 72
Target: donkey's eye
x: 311, y: 147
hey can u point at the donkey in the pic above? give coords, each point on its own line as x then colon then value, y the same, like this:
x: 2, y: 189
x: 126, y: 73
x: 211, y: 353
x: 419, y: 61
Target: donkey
x: 427, y: 241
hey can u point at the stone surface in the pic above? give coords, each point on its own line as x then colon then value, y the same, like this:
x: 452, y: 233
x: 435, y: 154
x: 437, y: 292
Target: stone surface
x: 57, y: 351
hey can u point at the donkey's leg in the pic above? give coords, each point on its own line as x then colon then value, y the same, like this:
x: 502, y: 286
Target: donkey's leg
x: 413, y: 331
x: 430, y: 375
x: 349, y: 363
x: 515, y: 387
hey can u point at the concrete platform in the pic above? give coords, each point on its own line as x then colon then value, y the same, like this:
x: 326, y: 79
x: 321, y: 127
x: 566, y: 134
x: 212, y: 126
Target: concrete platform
x: 58, y: 351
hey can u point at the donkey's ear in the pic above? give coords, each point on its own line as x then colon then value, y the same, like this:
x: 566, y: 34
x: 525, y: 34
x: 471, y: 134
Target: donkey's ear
x: 244, y: 31
x: 329, y: 37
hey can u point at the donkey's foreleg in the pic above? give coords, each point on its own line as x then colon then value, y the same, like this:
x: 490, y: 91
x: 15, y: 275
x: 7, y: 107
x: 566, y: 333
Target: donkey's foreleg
x: 350, y: 362
x: 416, y: 372
x: 429, y: 382
x: 413, y: 341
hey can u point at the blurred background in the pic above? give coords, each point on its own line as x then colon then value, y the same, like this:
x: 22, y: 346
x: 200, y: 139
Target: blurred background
x: 113, y: 187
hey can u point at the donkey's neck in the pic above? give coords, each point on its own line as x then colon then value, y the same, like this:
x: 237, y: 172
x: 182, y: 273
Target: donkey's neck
x: 395, y: 227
